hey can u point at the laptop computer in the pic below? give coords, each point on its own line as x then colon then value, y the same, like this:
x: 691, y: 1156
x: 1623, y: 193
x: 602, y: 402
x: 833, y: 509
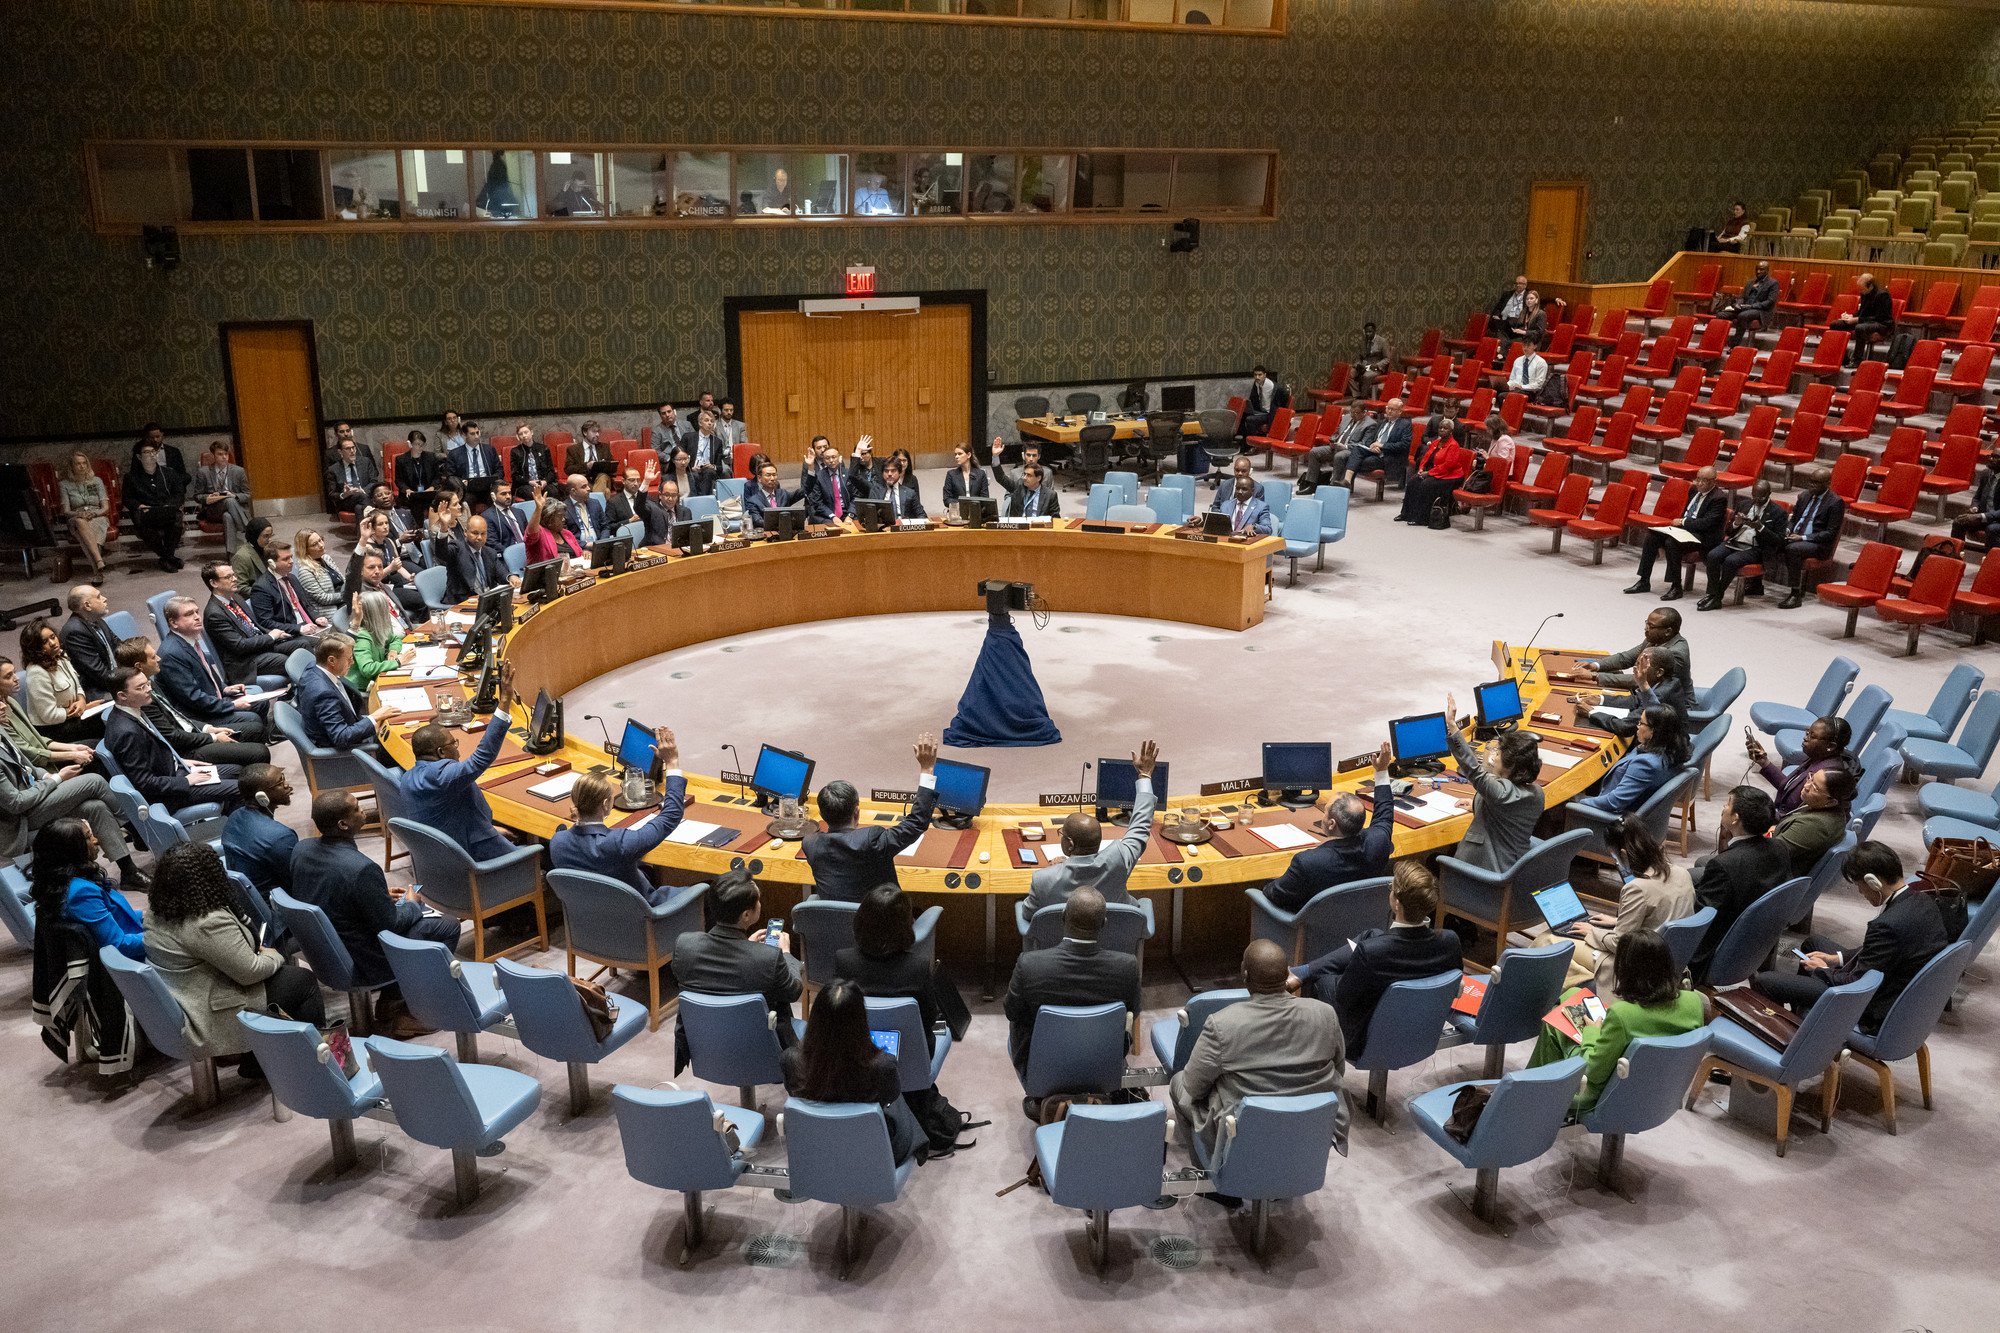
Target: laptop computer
x: 1560, y: 907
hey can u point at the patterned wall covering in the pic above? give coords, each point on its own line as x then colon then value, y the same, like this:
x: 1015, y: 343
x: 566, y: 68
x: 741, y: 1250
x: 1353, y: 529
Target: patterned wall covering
x: 1408, y: 129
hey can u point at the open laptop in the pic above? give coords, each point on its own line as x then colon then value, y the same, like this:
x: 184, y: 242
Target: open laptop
x: 1560, y: 907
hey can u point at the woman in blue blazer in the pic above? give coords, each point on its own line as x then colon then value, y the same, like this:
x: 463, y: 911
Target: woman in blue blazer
x: 67, y: 885
x: 1660, y: 747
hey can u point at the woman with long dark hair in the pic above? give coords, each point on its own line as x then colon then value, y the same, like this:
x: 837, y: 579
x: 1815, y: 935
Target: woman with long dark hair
x: 1653, y: 892
x: 838, y: 1062
x: 66, y: 884
x: 1648, y: 1001
x: 52, y: 693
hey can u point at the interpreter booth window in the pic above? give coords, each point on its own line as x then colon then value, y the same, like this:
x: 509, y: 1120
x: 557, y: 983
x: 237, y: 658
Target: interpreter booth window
x: 506, y: 185
x: 1045, y: 182
x: 219, y: 185
x: 937, y: 183
x: 140, y: 183
x: 364, y: 186
x: 791, y: 184
x: 878, y: 185
x: 701, y: 185
x: 289, y: 185
x: 572, y: 183
x: 1221, y: 182
x: 992, y: 178
x: 1123, y: 182
x: 642, y: 185
x: 438, y: 183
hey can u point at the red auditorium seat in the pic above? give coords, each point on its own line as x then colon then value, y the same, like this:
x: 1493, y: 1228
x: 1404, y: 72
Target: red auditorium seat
x: 1427, y: 347
x: 1791, y: 340
x: 1817, y: 399
x: 1843, y: 307
x: 1582, y: 428
x: 1801, y: 446
x: 1570, y: 502
x: 1701, y: 453
x: 1468, y: 338
x: 1669, y: 423
x: 1305, y: 434
x: 1417, y: 397
x: 1546, y: 482
x: 1562, y: 339
x: 1279, y: 432
x: 1913, y: 394
x: 1724, y: 397
x: 1867, y: 583
x: 1906, y: 445
x: 1708, y: 348
x: 1868, y: 377
x: 1926, y: 355
x: 1497, y: 375
x: 1617, y: 443
x: 1512, y: 408
x: 1829, y: 357
x: 1763, y: 420
x: 1464, y: 382
x: 1968, y: 373
x: 1610, y: 380
x: 1955, y: 465
x: 1857, y: 420
x: 1495, y: 495
x: 1659, y: 361
x: 1390, y: 387
x: 1895, y: 501
x: 1609, y: 328
x: 1746, y: 465
x: 1667, y: 508
x: 1659, y: 294
x: 1707, y: 279
x: 1963, y: 419
x: 1847, y: 477
x: 1982, y: 600
x: 1930, y: 599
x: 1807, y: 299
x: 1605, y: 524
x: 1976, y: 328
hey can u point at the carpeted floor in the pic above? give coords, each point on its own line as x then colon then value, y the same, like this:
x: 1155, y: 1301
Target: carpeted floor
x: 128, y: 1207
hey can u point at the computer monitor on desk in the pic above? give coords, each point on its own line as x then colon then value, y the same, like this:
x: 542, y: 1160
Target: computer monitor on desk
x: 638, y: 748
x: 780, y: 775
x: 611, y: 554
x: 1298, y: 770
x: 873, y: 515
x: 1418, y: 742
x: 781, y: 525
x: 1177, y: 398
x: 961, y: 792
x: 542, y: 581
x: 1499, y: 704
x: 1118, y: 786
x: 690, y: 537
x: 979, y: 511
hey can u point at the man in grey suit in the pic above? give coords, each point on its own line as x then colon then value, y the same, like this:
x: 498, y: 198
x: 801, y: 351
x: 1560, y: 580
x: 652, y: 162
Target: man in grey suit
x: 1663, y: 636
x: 1086, y: 861
x: 222, y: 491
x: 1077, y: 971
x: 733, y: 957
x: 31, y: 798
x: 1505, y: 805
x: 1273, y: 1044
x: 733, y: 429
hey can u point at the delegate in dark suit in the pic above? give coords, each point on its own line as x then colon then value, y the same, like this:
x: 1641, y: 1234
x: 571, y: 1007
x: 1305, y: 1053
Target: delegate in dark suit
x: 349, y: 482
x: 1908, y: 932
x: 828, y: 493
x: 1732, y: 879
x: 1384, y: 444
x: 660, y: 520
x: 1703, y: 517
x: 1756, y: 536
x: 193, y: 679
x: 958, y: 485
x: 583, y: 459
x: 332, y: 713
x: 191, y: 742
x: 1024, y: 503
x: 758, y: 502
x: 847, y: 863
x: 904, y: 502
x: 247, y: 651
x: 708, y: 459
x: 476, y: 569
x: 474, y: 463
x: 1261, y: 402
x: 503, y: 526
x: 1339, y: 860
x: 152, y: 766
x: 529, y: 463
x: 259, y: 847
x: 91, y: 647
x: 591, y: 509
x: 1075, y: 972
x: 418, y: 472
x: 1354, y: 978
x: 724, y: 960
x: 1812, y: 534
x: 333, y: 875
x: 279, y: 603
x: 616, y: 853
x: 445, y: 794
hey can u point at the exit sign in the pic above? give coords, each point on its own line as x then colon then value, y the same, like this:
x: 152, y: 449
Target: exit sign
x: 860, y: 280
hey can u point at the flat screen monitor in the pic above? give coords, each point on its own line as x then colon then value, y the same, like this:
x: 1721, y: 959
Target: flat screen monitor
x: 637, y: 748
x: 1118, y: 783
x: 979, y: 511
x: 1177, y: 398
x: 496, y: 607
x: 542, y: 581
x: 691, y: 536
x: 1419, y: 737
x: 1298, y: 765
x: 1498, y: 701
x: 961, y: 788
x: 542, y: 716
x: 873, y: 515
x: 781, y: 773
x: 611, y: 553
x: 784, y: 524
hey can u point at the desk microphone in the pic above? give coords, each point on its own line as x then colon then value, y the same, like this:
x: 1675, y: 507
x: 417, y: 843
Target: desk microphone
x: 1529, y: 666
x: 1081, y: 790
x: 592, y: 717
x: 741, y: 795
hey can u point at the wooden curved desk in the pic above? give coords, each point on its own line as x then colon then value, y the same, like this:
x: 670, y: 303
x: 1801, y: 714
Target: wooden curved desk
x: 686, y: 601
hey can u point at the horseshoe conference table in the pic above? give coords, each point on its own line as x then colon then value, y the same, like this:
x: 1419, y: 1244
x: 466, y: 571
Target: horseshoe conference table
x: 1142, y: 572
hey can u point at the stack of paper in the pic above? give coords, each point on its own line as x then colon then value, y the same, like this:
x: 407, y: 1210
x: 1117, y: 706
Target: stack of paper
x: 1556, y: 759
x: 691, y: 831
x: 1284, y: 837
x: 428, y: 656
x: 406, y: 701
x: 1433, y: 806
x: 557, y: 787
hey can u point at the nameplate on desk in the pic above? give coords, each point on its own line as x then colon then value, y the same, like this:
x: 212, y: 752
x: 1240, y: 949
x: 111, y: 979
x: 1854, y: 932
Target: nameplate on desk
x: 739, y: 779
x: 1089, y: 526
x: 1067, y: 797
x: 1356, y: 762
x: 1186, y: 536
x: 891, y: 796
x: 1231, y: 784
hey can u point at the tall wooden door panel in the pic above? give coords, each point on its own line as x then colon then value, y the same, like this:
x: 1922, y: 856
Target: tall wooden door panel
x: 276, y: 408
x: 1556, y: 212
x: 905, y: 379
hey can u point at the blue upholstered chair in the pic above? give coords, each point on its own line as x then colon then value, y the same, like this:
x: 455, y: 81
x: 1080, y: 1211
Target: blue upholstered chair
x: 1937, y: 722
x: 1717, y: 699
x: 825, y: 927
x: 1653, y: 812
x: 1131, y: 513
x: 308, y: 1081
x: 1173, y: 1038
x: 325, y: 954
x: 1684, y: 935
x: 431, y: 586
x: 187, y: 817
x: 1974, y: 749
x: 1300, y: 531
x: 1906, y: 1028
x: 1527, y: 1110
x: 1102, y: 496
x: 476, y: 891
x: 515, y: 554
x: 297, y: 664
x: 1753, y: 935
x: 1077, y: 1048
x: 1524, y: 985
x: 1814, y: 1051
x: 465, y: 1109
x: 1103, y: 1158
x: 732, y: 1041
x: 1271, y: 1148
x: 1127, y: 926
x: 1278, y: 495
x: 1500, y: 899
x: 918, y: 1062
x: 326, y: 769
x: 1126, y: 484
x: 839, y: 1154
x: 122, y: 626
x: 1834, y: 683
x: 608, y: 922
x: 1404, y: 1030
x: 157, y: 604
x: 672, y: 1142
x: 160, y: 1017
x: 1863, y: 716
x: 1652, y: 1079
x: 447, y: 993
x: 386, y: 783
x: 1169, y: 503
x: 1329, y: 918
x: 550, y: 1018
x: 701, y: 506
x: 1332, y: 517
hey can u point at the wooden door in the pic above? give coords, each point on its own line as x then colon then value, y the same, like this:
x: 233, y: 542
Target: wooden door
x: 1556, y: 211
x: 905, y: 379
x: 274, y: 402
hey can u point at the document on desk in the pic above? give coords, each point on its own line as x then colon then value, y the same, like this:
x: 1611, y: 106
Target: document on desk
x: 556, y: 787
x: 1433, y: 806
x: 406, y: 701
x: 1681, y: 535
x: 260, y: 696
x: 1555, y: 760
x: 428, y: 656
x: 1613, y: 713
x: 1284, y: 837
x: 690, y: 831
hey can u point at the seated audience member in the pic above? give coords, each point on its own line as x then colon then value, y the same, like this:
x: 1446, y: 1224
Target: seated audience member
x: 1660, y: 747
x: 1654, y: 892
x: 252, y: 556
x: 248, y: 651
x: 1076, y: 972
x: 337, y: 877
x: 1745, y: 867
x: 333, y: 713
x: 87, y: 508
x: 1980, y: 523
x: 479, y: 566
x: 1440, y: 470
x: 258, y: 846
x: 370, y: 572
x: 1247, y: 514
x: 1730, y: 235
x: 418, y: 470
x: 1532, y: 324
x: 1355, y: 977
x: 1646, y: 1000
x: 619, y: 853
x: 1497, y: 447
x: 1513, y: 299
x: 766, y: 494
x: 1313, y: 472
x: 475, y: 462
x: 1261, y: 402
x: 1702, y: 518
x: 1812, y: 533
x: 706, y: 456
x: 212, y: 962
x: 1506, y: 805
x: 896, y: 487
x: 36, y: 748
x: 88, y: 640
x: 1756, y: 537
x: 350, y: 475
x: 1811, y: 830
x: 279, y: 604
x: 1384, y: 444
x: 733, y: 957
x: 191, y: 674
x: 1225, y: 483
x: 1371, y: 361
x: 1825, y: 746
x: 967, y: 478
x: 1085, y: 860
x: 1908, y: 932
x: 1529, y: 372
x: 884, y: 960
x: 378, y: 641
x: 1874, y: 318
x: 851, y: 858
x: 313, y: 574
x: 1033, y: 497
x: 504, y: 525
x: 170, y: 454
x: 1273, y: 1044
x: 451, y: 437
x: 669, y: 432
x: 152, y: 765
x: 66, y: 884
x: 1031, y: 453
x: 1663, y: 638
x: 1357, y: 849
x: 200, y: 741
x: 548, y: 534
x: 53, y: 694
x: 1751, y: 307
x: 731, y: 427
x: 839, y: 1062
x: 625, y: 499
x: 662, y: 514
x: 824, y: 483
x: 588, y: 455
x: 152, y: 498
x: 583, y: 513
x: 529, y: 465
x: 442, y: 790
x: 443, y: 533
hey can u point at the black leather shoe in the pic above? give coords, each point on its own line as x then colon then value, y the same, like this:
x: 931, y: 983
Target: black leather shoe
x: 1792, y: 603
x: 1640, y: 586
x: 1754, y: 588
x: 1708, y: 604
x: 1672, y: 594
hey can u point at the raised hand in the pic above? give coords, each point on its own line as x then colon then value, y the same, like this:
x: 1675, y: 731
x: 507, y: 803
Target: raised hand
x: 1142, y: 762
x: 927, y: 752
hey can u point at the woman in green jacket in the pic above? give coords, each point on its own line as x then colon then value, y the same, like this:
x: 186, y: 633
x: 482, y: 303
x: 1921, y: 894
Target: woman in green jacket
x: 377, y: 646
x: 1649, y: 1002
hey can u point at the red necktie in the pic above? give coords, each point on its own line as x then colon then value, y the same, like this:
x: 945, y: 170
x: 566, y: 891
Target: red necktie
x: 293, y: 597
x: 837, y: 506
x: 240, y: 614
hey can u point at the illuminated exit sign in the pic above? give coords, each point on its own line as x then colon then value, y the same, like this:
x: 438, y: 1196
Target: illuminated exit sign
x: 860, y: 280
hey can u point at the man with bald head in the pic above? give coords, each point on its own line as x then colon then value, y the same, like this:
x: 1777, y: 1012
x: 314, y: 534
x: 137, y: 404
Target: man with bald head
x: 1086, y: 860
x: 1702, y: 518
x: 1274, y: 1044
x: 1076, y: 971
x: 478, y: 566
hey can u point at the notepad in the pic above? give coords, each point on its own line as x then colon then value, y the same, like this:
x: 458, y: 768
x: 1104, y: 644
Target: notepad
x: 406, y: 701
x: 1562, y: 760
x: 427, y: 657
x: 1433, y: 806
x: 259, y: 696
x: 556, y: 787
x: 1284, y: 837
x: 1603, y: 711
x: 691, y: 831
x: 460, y: 619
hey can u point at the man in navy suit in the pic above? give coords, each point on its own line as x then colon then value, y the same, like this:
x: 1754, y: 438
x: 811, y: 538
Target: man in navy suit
x: 825, y: 485
x: 475, y: 462
x: 254, y: 842
x: 849, y: 859
x: 1247, y: 514
x: 277, y: 603
x: 531, y: 468
x: 897, y: 489
x: 247, y: 649
x: 585, y: 511
x: 707, y: 456
x: 1812, y: 533
x: 1354, y: 977
x: 1032, y: 496
x: 191, y: 739
x: 625, y: 499
x: 662, y: 514
x: 191, y: 674
x: 92, y: 647
x: 330, y: 709
x: 145, y: 757
x: 442, y: 790
x: 766, y: 494
x: 589, y: 844
x: 1384, y: 443
x: 503, y: 525
x: 1225, y: 482
x: 478, y: 566
x: 1357, y: 850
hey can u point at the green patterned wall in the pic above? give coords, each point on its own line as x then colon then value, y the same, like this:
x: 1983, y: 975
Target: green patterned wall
x: 1409, y: 130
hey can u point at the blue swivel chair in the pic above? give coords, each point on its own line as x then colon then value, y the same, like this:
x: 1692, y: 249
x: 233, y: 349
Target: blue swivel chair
x: 305, y: 1078
x: 1103, y: 1158
x: 1834, y: 683
x: 296, y: 665
x: 1525, y: 984
x: 157, y: 604
x: 610, y: 923
x: 1974, y: 749
x: 839, y: 1154
x: 515, y: 554
x: 1498, y: 899
x: 1717, y: 699
x: 1752, y: 936
x: 1527, y: 1110
x: 1328, y: 919
x: 1127, y: 927
x: 1077, y: 1048
x: 476, y: 891
x: 1168, y: 504
x: 466, y: 1109
x: 1814, y: 1051
x: 162, y: 1020
x: 1131, y: 514
x: 122, y: 626
x: 1184, y: 483
x: 672, y: 1142
x: 917, y: 1062
x: 1272, y: 1148
x: 1906, y: 1028
x: 1653, y: 812
x: 1404, y: 1030
x: 702, y: 506
x: 1684, y: 935
x: 17, y: 909
x: 549, y: 1015
x: 1937, y: 722
x: 1863, y: 716
x: 1126, y: 484
x: 187, y: 816
x: 448, y: 993
x: 1332, y: 518
x: 1278, y: 497
x: 825, y: 927
x: 1300, y: 531
x: 431, y: 586
x: 635, y: 531
x: 326, y: 955
x: 1102, y: 496
x: 732, y: 1040
x: 1173, y: 1038
x: 326, y: 769
x: 387, y: 786
x: 1652, y: 1078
